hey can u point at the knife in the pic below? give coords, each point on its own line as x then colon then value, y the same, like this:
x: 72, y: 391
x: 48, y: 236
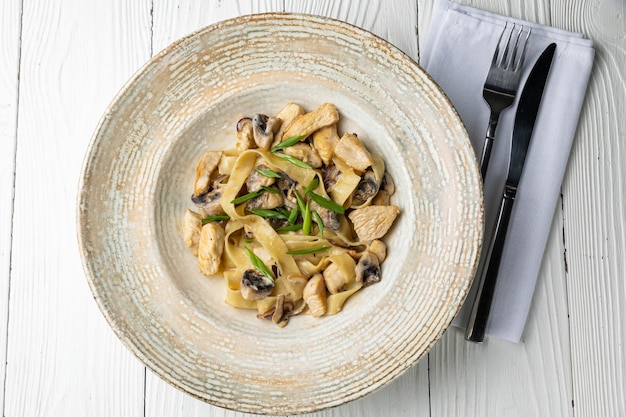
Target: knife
x: 525, y: 117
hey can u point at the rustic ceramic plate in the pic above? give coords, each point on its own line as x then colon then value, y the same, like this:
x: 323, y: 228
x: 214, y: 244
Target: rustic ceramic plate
x: 138, y: 177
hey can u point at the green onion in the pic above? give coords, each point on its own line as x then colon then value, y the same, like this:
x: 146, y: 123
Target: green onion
x: 293, y: 160
x: 248, y: 240
x: 215, y: 218
x: 287, y: 143
x: 246, y: 197
x: 270, y: 189
x: 293, y: 215
x: 283, y: 211
x: 319, y: 222
x: 258, y: 264
x: 268, y: 173
x: 309, y: 251
x: 300, y: 201
x: 306, y: 220
x: 290, y: 228
x: 312, y: 185
x: 271, y: 214
x: 324, y: 202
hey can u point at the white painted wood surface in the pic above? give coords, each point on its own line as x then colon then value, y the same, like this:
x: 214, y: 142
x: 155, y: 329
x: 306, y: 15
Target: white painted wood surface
x: 62, y: 63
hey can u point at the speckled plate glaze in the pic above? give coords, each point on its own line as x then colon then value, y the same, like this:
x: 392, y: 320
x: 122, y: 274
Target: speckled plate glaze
x: 138, y: 177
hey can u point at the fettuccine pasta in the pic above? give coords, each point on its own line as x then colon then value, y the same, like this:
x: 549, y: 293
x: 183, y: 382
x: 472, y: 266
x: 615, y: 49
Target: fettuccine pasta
x: 292, y: 216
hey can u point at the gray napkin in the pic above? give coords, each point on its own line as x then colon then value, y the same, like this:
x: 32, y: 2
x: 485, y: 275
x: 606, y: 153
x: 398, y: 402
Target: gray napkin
x: 457, y: 54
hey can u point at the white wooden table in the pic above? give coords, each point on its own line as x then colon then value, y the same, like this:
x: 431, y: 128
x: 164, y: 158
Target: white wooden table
x: 61, y: 63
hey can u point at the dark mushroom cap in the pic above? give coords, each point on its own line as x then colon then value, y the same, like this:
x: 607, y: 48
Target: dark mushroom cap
x: 242, y: 122
x: 255, y: 285
x: 367, y: 188
x: 368, y: 269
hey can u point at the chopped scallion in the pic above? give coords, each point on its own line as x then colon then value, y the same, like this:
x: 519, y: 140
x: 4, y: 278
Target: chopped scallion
x: 309, y: 251
x: 287, y: 143
x: 270, y: 189
x: 306, y: 220
x: 290, y: 228
x: 216, y: 218
x: 324, y: 202
x: 246, y: 197
x: 258, y: 264
x: 293, y: 160
x: 266, y: 213
x: 312, y: 185
x: 268, y: 173
x: 320, y: 223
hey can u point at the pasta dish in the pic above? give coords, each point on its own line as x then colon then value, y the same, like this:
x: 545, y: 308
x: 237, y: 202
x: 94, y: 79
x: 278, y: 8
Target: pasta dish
x: 293, y: 216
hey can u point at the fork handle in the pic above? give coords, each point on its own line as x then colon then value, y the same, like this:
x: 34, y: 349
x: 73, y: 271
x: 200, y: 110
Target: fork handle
x: 491, y: 133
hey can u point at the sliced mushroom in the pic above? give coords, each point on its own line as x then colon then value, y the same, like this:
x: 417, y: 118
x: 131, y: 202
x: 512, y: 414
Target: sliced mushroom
x: 382, y: 199
x: 192, y: 225
x: 368, y: 269
x: 366, y: 190
x: 205, y: 167
x: 334, y: 279
x: 209, y: 202
x: 314, y: 295
x: 257, y: 181
x: 286, y: 115
x: 267, y: 200
x: 330, y: 173
x: 378, y: 248
x: 263, y: 130
x: 210, y: 248
x: 324, y: 115
x: 255, y: 286
x: 245, y: 135
x: 388, y: 185
x: 330, y: 218
x: 351, y: 150
x: 373, y: 222
x: 324, y: 141
x: 306, y: 153
x: 287, y: 186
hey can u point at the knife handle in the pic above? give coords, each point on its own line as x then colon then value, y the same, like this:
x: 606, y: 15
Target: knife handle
x: 477, y: 325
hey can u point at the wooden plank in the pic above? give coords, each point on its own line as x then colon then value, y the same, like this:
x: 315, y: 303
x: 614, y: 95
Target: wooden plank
x: 594, y: 192
x: 63, y: 359
x: 501, y: 378
x: 10, y: 12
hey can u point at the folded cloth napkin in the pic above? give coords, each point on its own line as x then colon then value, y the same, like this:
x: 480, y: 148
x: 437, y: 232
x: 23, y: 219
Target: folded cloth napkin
x: 457, y: 54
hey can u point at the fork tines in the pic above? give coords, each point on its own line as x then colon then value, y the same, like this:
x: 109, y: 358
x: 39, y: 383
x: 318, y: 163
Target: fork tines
x: 510, y: 59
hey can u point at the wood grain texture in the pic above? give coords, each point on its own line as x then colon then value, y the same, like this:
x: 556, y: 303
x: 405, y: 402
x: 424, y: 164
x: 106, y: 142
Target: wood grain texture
x: 10, y: 12
x: 537, y: 375
x: 594, y: 192
x: 63, y: 359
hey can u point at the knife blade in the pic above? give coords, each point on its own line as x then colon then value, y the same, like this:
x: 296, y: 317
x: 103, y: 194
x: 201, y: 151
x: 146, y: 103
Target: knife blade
x: 525, y: 118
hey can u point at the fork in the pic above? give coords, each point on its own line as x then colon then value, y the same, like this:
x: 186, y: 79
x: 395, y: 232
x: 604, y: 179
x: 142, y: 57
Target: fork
x: 502, y: 82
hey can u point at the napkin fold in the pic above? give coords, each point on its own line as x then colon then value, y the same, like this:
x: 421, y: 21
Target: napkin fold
x: 457, y: 54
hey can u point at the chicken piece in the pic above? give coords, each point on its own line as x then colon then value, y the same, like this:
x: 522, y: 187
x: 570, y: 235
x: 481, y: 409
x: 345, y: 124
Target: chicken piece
x: 210, y: 248
x: 351, y: 150
x: 306, y: 153
x: 324, y: 141
x: 334, y: 279
x: 206, y: 165
x: 287, y: 115
x: 324, y: 115
x: 257, y: 181
x: 314, y: 295
x: 378, y: 248
x: 192, y: 224
x: 245, y: 135
x: 373, y: 222
x: 267, y: 200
